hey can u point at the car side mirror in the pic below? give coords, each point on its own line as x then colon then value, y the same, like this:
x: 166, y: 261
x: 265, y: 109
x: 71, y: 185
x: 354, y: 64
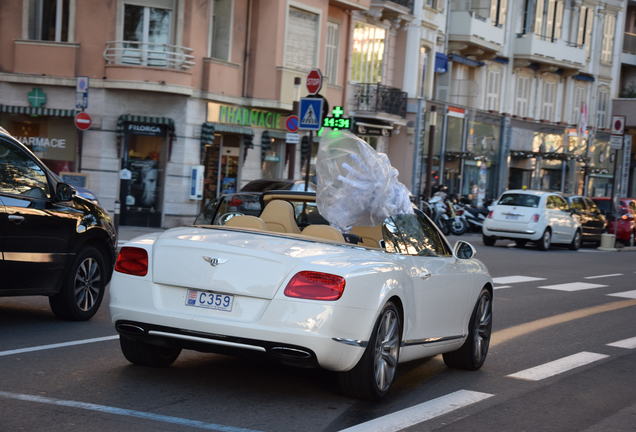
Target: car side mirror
x: 64, y: 192
x: 464, y: 250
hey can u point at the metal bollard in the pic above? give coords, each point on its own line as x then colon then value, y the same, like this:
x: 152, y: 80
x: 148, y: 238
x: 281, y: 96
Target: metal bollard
x: 608, y: 242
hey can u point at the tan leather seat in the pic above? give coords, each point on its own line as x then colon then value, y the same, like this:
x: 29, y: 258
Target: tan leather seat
x: 324, y: 232
x: 246, y: 221
x: 278, y: 216
x: 370, y: 235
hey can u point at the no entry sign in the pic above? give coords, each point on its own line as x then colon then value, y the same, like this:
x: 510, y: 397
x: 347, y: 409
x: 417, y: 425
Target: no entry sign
x: 83, y: 121
x: 314, y: 81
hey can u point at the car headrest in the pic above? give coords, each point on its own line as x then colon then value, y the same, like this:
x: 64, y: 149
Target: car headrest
x: 278, y: 216
x: 324, y: 232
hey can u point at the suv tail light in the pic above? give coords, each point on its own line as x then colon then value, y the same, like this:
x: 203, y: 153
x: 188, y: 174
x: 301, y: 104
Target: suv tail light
x: 490, y: 214
x: 535, y: 217
x: 132, y: 261
x: 315, y: 286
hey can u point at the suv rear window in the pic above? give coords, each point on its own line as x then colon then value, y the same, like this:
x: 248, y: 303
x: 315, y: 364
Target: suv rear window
x: 604, y: 205
x: 520, y: 200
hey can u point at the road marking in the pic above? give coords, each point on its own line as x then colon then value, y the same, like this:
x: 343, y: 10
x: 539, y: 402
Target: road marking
x: 123, y: 412
x: 502, y: 287
x: 420, y: 413
x: 572, y: 286
x: 625, y: 343
x: 603, y: 276
x: 57, y: 345
x: 515, y: 279
x: 556, y: 367
x: 510, y: 333
x: 625, y: 294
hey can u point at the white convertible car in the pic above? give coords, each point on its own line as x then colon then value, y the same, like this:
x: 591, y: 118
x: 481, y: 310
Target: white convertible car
x: 357, y: 304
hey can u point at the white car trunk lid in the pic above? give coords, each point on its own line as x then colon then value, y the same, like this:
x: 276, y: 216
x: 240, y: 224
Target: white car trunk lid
x: 514, y: 214
x: 245, y: 263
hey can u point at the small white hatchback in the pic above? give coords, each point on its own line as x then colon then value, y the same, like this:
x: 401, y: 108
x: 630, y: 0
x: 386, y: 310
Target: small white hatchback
x: 537, y: 216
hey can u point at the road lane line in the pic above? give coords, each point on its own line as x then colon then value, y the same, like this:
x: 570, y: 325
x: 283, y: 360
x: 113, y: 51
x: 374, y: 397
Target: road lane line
x: 57, y: 345
x: 625, y: 294
x: 123, y: 412
x: 515, y: 279
x: 625, y: 343
x: 502, y: 287
x: 603, y: 276
x: 510, y: 333
x: 573, y: 286
x: 556, y: 367
x: 420, y: 413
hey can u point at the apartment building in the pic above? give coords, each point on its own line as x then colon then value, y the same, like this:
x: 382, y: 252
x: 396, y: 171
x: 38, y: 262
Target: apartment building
x: 525, y: 98
x: 174, y: 84
x: 625, y: 104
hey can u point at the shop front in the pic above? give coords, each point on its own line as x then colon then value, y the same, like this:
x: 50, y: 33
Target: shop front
x: 479, y: 179
x: 49, y: 133
x: 600, y: 167
x: 145, y: 145
x: 240, y: 144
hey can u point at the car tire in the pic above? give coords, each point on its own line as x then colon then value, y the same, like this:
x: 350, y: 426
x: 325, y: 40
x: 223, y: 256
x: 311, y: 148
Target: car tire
x: 145, y: 354
x: 545, y: 241
x: 520, y: 243
x: 576, y: 241
x: 472, y: 354
x: 83, y: 287
x: 372, y: 377
x: 488, y: 240
x: 631, y: 240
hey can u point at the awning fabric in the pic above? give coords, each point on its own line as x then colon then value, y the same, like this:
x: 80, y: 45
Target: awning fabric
x: 277, y: 134
x: 127, y: 118
x: 441, y: 63
x: 466, y: 61
x: 32, y: 111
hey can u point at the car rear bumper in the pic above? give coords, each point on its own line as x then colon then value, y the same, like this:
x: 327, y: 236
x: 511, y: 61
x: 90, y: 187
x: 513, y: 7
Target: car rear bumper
x: 521, y: 233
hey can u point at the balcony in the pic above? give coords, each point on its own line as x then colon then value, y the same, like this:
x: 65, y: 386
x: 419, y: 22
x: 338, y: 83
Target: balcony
x: 154, y: 55
x: 149, y: 62
x: 395, y: 9
x: 377, y: 99
x: 45, y: 57
x: 629, y: 49
x: 473, y: 35
x: 558, y: 53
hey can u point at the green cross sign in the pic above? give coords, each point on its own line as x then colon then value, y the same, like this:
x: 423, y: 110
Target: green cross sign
x: 337, y: 111
x: 336, y: 121
x: 36, y: 97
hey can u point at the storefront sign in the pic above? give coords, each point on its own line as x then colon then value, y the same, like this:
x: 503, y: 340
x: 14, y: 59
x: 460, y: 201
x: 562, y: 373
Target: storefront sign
x: 53, y: 139
x: 250, y: 117
x: 36, y: 97
x: 145, y: 129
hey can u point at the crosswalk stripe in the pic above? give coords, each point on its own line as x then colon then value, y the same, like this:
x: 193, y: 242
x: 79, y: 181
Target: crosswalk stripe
x: 57, y: 345
x: 625, y: 294
x: 559, y: 366
x: 420, y: 413
x: 629, y: 343
x: 515, y: 279
x: 573, y: 286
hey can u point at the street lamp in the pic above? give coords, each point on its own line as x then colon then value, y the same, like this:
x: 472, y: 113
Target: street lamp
x: 432, y: 121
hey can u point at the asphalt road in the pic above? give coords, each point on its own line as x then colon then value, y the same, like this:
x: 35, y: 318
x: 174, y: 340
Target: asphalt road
x: 550, y: 367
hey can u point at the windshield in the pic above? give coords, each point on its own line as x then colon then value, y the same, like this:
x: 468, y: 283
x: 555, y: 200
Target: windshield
x: 218, y: 211
x: 604, y: 205
x: 519, y: 200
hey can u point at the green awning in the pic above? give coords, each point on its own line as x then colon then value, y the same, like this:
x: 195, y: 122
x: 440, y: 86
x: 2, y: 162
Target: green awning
x: 220, y: 127
x: 32, y: 111
x: 277, y: 134
x: 207, y: 133
x: 131, y: 118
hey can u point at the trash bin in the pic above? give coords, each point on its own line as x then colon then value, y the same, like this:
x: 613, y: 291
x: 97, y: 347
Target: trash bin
x: 608, y: 242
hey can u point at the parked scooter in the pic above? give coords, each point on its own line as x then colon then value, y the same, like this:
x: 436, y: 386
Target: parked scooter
x: 439, y: 212
x: 456, y: 219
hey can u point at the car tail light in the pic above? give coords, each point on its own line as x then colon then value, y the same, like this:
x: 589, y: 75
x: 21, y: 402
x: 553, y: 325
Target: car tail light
x: 490, y: 214
x: 132, y: 261
x: 535, y: 218
x: 315, y: 286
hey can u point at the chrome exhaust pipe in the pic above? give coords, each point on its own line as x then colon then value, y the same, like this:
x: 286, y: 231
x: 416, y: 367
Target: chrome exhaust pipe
x: 291, y: 352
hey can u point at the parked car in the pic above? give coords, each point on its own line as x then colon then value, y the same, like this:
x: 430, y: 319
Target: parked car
x: 593, y: 222
x: 537, y: 216
x: 392, y: 293
x: 621, y: 221
x: 263, y: 185
x: 53, y: 242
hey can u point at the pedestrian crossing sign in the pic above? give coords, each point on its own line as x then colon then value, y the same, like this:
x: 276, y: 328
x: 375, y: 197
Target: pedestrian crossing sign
x: 310, y: 114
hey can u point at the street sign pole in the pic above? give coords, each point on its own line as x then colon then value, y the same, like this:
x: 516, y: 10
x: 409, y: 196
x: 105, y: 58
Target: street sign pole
x: 308, y: 161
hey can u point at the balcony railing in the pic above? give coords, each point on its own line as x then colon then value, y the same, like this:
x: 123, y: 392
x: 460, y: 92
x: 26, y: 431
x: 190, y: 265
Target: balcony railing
x: 148, y: 54
x: 406, y: 3
x: 379, y: 98
x: 629, y: 43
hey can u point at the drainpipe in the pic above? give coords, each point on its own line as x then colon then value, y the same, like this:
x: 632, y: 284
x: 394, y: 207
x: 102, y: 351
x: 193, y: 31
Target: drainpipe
x: 248, y: 45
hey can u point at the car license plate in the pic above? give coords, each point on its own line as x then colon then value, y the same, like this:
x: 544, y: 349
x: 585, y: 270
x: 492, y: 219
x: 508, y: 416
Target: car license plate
x: 512, y: 217
x: 209, y: 300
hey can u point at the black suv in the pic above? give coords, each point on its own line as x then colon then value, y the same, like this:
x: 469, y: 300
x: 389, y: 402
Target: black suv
x: 52, y: 242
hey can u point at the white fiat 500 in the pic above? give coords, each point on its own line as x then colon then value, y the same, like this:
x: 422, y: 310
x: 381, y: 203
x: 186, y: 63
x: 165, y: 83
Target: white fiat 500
x: 358, y: 304
x: 527, y: 215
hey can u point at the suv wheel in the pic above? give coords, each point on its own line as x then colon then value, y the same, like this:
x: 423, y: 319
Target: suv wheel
x: 489, y: 241
x: 576, y: 241
x: 83, y: 288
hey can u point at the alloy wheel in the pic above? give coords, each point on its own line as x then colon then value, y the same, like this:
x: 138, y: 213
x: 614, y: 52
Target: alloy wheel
x: 87, y: 284
x: 386, y: 350
x: 483, y: 328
